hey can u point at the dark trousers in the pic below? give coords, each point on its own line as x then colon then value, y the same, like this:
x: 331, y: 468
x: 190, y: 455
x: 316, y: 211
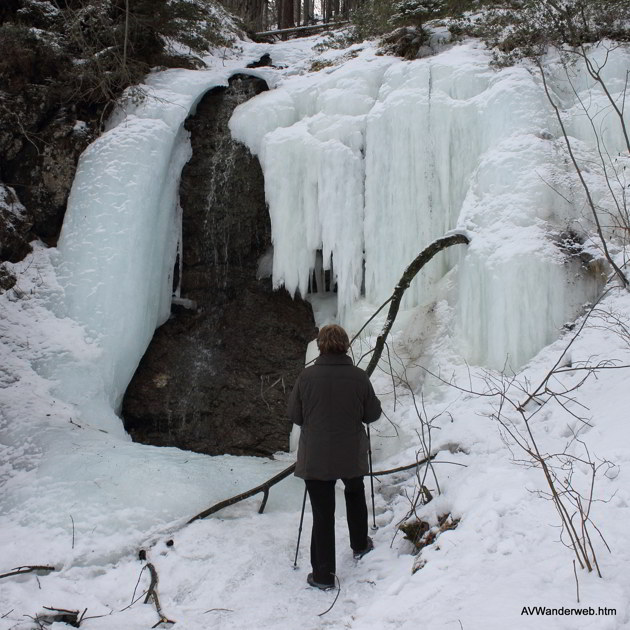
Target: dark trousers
x: 322, y: 496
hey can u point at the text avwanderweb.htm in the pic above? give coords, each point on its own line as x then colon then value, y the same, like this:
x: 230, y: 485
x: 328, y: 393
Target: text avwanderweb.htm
x: 589, y: 611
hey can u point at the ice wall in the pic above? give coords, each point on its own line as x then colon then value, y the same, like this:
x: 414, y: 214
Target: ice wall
x: 374, y: 159
x: 119, y: 239
x: 310, y: 139
x: 367, y: 163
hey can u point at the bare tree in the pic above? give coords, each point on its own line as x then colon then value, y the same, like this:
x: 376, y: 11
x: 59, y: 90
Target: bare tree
x: 619, y: 198
x: 516, y: 404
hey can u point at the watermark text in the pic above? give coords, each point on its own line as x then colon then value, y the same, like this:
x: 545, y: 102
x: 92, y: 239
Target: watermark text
x: 564, y: 610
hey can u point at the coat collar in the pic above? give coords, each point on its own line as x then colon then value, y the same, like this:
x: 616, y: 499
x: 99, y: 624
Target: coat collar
x: 333, y: 359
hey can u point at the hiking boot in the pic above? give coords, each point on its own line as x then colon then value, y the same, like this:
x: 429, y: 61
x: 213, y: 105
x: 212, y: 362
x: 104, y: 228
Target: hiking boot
x: 322, y: 587
x: 357, y: 555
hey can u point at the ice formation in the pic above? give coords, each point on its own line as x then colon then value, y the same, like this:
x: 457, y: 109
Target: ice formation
x: 86, y: 502
x: 365, y: 164
x: 371, y: 161
x: 120, y: 235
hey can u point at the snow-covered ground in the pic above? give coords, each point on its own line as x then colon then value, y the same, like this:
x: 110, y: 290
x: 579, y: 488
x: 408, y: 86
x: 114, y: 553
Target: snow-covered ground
x: 79, y: 496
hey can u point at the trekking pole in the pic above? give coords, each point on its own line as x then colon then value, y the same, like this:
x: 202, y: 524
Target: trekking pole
x: 297, y: 548
x: 371, y: 475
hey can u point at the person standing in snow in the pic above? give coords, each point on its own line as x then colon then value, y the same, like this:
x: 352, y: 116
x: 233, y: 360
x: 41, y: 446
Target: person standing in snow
x: 330, y: 402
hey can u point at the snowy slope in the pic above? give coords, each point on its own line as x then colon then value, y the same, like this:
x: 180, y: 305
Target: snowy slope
x: 78, y: 495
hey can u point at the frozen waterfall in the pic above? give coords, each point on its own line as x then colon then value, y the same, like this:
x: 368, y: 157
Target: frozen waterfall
x: 120, y: 235
x: 371, y: 161
x: 365, y: 164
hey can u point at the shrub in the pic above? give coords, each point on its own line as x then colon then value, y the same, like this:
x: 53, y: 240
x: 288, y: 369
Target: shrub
x: 527, y: 28
x: 29, y: 56
x: 416, y: 12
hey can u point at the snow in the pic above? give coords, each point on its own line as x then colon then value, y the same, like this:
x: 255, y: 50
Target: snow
x: 77, y: 494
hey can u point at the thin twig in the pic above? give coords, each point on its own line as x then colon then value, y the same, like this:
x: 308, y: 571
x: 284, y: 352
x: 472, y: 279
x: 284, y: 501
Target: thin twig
x: 152, y: 594
x: 336, y: 596
x: 578, y: 170
x: 27, y: 569
x: 217, y: 610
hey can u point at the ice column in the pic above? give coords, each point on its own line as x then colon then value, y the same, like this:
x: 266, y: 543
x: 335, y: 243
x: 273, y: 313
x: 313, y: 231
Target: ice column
x: 310, y: 139
x: 119, y: 239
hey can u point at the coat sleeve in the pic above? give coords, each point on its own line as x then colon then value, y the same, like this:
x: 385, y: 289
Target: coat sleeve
x: 295, y: 405
x: 372, y: 406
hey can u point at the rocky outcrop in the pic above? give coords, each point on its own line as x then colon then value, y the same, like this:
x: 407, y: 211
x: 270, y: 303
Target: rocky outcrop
x: 216, y: 376
x: 41, y: 143
x: 14, y: 226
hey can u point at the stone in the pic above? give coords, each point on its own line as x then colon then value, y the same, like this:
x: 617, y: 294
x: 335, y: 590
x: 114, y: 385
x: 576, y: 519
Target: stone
x: 41, y: 142
x: 15, y: 225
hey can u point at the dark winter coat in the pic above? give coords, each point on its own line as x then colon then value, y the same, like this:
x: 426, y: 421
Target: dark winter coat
x: 330, y: 401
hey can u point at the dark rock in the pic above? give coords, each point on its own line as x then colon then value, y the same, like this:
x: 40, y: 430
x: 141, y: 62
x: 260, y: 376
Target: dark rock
x: 61, y: 74
x: 7, y: 279
x: 265, y: 60
x: 405, y: 42
x: 41, y: 143
x: 8, y: 9
x: 15, y: 225
x: 216, y: 377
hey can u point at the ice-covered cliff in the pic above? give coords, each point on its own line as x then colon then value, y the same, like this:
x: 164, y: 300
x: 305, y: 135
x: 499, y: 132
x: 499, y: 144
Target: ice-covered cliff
x: 369, y: 161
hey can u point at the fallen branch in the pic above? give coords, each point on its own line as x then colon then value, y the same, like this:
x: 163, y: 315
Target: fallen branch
x: 60, y: 615
x: 264, y: 487
x: 28, y: 569
x: 301, y: 29
x: 152, y: 594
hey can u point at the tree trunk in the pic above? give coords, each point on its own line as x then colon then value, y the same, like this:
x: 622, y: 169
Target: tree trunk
x: 287, y: 20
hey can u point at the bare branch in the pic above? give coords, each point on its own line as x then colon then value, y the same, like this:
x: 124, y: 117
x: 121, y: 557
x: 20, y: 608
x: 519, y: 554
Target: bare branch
x: 43, y: 569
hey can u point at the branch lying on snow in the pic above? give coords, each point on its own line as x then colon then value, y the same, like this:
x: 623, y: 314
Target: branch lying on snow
x: 72, y: 618
x: 455, y: 238
x: 59, y: 615
x: 265, y: 487
x: 28, y: 569
x: 152, y: 594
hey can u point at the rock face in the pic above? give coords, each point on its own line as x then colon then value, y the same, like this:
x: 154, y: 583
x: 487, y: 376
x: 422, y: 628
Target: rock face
x: 14, y: 226
x: 216, y: 376
x: 40, y: 144
x: 60, y: 75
